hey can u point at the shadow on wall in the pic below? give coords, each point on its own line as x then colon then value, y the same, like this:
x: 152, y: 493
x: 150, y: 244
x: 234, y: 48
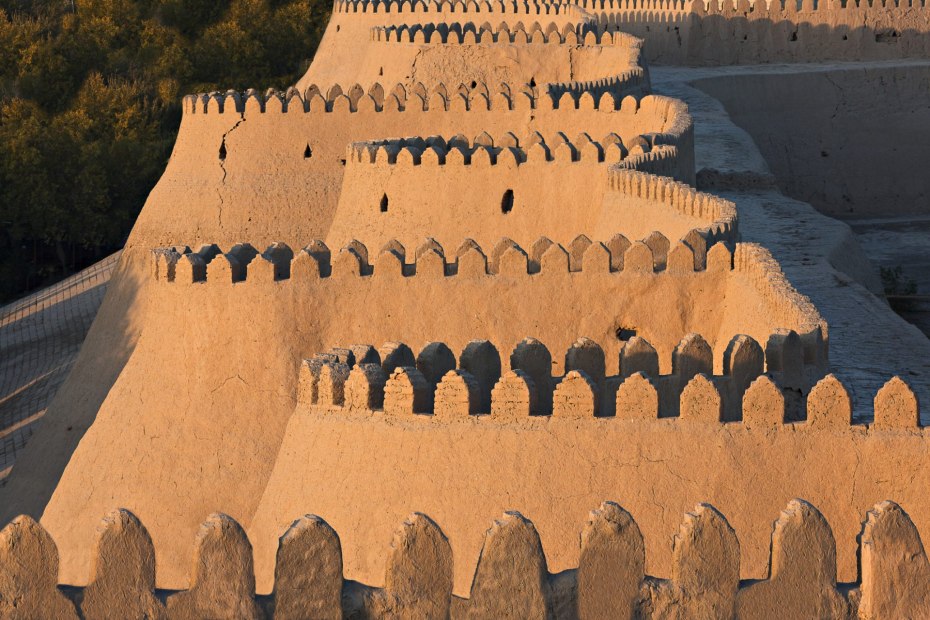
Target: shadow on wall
x: 108, y: 346
x: 848, y: 141
x: 732, y: 39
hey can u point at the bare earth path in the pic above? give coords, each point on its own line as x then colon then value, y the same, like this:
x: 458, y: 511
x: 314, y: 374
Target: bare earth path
x: 40, y: 336
x: 868, y: 342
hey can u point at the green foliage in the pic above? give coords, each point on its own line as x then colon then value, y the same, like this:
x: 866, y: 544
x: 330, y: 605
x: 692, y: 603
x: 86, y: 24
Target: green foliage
x: 90, y: 105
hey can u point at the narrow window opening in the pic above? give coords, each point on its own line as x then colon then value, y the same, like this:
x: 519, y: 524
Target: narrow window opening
x: 381, y: 71
x: 384, y: 203
x: 474, y: 84
x: 507, y: 202
x: 308, y: 153
x: 223, y: 150
x: 337, y: 28
x: 533, y: 82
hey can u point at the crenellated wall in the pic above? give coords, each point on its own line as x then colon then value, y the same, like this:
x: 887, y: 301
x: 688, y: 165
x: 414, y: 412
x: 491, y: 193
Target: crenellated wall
x: 280, y: 176
x: 489, y: 187
x: 358, y: 377
x: 513, y: 578
x: 460, y: 467
x: 726, y: 33
x: 660, y: 286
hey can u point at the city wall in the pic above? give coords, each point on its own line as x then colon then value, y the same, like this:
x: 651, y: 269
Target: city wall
x: 726, y: 33
x: 277, y: 175
x: 513, y: 577
x: 412, y: 188
x: 463, y: 467
x: 229, y: 347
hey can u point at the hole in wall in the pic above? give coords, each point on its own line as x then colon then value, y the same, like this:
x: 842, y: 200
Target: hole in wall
x: 384, y: 203
x: 794, y: 36
x: 532, y: 82
x: 507, y: 202
x: 308, y: 153
x: 380, y: 71
x: 223, y: 150
x: 337, y: 28
x: 342, y: 161
x: 474, y: 84
x: 625, y: 333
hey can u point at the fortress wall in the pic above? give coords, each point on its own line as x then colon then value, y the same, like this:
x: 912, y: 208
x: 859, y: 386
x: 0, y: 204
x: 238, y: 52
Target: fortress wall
x: 464, y: 470
x: 345, y: 45
x: 417, y: 572
x: 700, y: 34
x: 207, y: 430
x: 452, y: 199
x: 438, y: 193
x: 267, y: 190
x: 665, y: 294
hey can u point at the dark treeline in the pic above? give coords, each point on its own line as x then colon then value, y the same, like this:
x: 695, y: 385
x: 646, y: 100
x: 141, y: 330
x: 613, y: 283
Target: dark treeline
x: 90, y: 103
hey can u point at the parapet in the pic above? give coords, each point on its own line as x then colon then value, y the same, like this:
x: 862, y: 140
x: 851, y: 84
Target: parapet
x: 758, y: 385
x: 721, y: 213
x: 512, y: 577
x: 535, y: 33
x: 536, y: 7
x: 605, y: 94
x: 651, y: 256
x: 505, y: 151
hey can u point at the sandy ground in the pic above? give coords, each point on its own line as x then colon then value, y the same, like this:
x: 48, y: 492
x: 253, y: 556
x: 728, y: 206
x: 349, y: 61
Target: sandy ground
x: 40, y: 336
x: 868, y: 341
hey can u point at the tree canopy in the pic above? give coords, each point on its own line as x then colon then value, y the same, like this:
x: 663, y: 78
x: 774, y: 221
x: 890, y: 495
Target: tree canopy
x: 90, y: 103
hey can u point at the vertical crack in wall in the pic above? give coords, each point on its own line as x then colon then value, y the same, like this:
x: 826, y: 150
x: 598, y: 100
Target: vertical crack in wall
x: 219, y: 190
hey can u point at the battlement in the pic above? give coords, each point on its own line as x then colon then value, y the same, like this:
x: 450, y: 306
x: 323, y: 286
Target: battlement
x: 487, y: 151
x: 454, y: 7
x: 721, y: 213
x: 607, y: 94
x: 618, y: 256
x: 739, y: 32
x: 361, y: 378
x: 469, y: 33
x: 512, y: 576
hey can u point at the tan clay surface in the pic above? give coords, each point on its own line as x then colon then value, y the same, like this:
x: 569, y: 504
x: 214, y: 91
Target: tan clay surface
x: 461, y: 268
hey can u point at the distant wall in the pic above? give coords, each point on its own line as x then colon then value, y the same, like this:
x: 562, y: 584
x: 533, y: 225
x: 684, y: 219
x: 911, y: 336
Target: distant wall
x: 710, y: 34
x: 849, y: 142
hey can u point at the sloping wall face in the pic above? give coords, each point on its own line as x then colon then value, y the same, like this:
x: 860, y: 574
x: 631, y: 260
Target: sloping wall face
x: 203, y: 431
x: 557, y: 467
x: 258, y: 173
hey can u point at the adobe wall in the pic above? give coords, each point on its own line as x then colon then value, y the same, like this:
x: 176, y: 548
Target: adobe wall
x: 818, y: 131
x: 465, y: 52
x: 207, y: 430
x: 414, y: 188
x: 268, y: 187
x: 514, y: 575
x: 345, y: 47
x: 464, y: 469
x: 710, y: 34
